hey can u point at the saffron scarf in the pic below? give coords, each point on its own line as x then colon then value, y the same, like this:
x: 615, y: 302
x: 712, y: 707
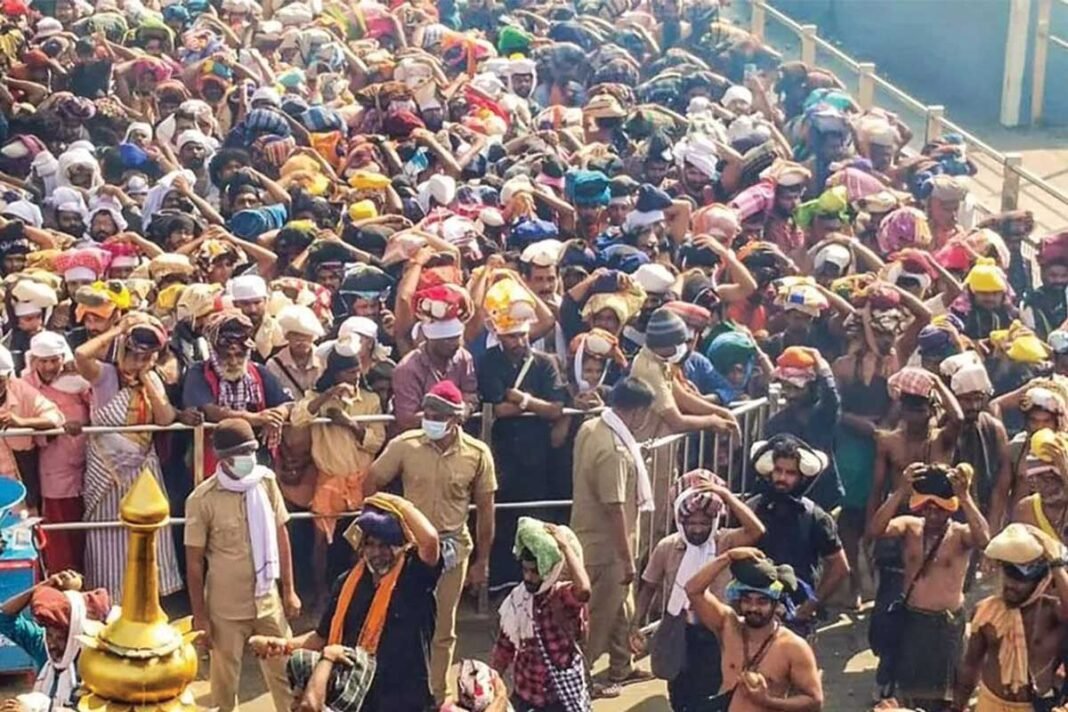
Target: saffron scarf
x: 372, y: 628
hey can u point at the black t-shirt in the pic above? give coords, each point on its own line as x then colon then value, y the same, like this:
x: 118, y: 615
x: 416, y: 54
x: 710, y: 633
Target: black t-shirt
x: 798, y: 532
x: 496, y: 374
x: 402, y: 674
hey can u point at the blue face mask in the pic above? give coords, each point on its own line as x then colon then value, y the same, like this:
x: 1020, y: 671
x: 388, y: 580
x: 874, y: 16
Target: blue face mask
x: 242, y: 465
x: 435, y: 429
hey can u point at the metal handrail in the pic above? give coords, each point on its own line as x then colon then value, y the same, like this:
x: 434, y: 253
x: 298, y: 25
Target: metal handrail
x: 899, y: 94
x: 1011, y: 163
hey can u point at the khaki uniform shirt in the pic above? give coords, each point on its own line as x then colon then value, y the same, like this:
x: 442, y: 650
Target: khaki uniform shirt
x: 658, y: 374
x: 217, y: 521
x: 604, y: 474
x: 440, y: 484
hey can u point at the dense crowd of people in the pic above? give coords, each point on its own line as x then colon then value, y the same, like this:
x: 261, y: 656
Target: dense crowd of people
x: 338, y: 231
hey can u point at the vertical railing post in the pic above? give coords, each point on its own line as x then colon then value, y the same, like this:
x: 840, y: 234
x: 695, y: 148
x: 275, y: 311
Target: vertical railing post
x: 1010, y: 182
x: 198, y: 454
x: 757, y: 19
x: 866, y: 85
x: 1038, y: 72
x: 808, y: 44
x: 935, y: 114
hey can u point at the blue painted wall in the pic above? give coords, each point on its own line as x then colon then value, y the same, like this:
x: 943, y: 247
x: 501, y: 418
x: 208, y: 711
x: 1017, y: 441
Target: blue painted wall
x: 949, y: 52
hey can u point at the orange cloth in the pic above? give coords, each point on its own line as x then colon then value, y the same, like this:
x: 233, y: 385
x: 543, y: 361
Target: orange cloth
x: 375, y: 622
x: 1009, y: 628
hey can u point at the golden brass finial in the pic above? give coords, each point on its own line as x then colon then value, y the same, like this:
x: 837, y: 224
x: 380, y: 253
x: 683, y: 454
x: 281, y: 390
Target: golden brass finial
x: 139, y: 659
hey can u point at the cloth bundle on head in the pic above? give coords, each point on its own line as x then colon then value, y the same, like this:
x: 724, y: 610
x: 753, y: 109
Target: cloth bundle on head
x: 986, y: 277
x: 197, y: 301
x: 941, y: 338
x: 623, y: 304
x: 690, y: 495
x: 811, y: 461
x: 1024, y: 551
x: 442, y: 311
x: 586, y: 188
x: 654, y: 278
x: 1048, y: 395
x: 648, y: 208
x: 726, y: 351
x: 1046, y: 445
x: 911, y: 381
x: 718, y: 221
x: 1058, y: 341
x: 796, y: 365
x: 904, y: 227
x: 82, y: 264
x: 1019, y: 344
x: 696, y: 317
x: 700, y: 152
x: 786, y: 174
x: 382, y: 519
x: 542, y: 254
x: 1053, y: 249
x: 509, y: 306
x: 933, y: 485
x: 805, y: 298
x: 29, y: 297
x: 595, y: 343
x: 101, y: 299
x: 228, y: 326
x: 833, y: 202
x: 517, y: 610
x: 760, y: 576
x: 298, y: 319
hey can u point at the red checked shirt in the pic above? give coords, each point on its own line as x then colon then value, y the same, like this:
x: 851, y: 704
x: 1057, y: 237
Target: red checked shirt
x: 561, y: 621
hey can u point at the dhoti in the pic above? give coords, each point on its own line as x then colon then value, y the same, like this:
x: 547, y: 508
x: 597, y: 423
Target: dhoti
x: 989, y: 702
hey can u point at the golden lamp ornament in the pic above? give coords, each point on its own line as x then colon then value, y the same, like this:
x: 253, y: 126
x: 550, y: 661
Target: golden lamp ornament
x: 139, y: 662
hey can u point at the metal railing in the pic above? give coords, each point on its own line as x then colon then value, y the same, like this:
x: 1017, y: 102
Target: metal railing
x: 750, y: 424
x: 1001, y: 174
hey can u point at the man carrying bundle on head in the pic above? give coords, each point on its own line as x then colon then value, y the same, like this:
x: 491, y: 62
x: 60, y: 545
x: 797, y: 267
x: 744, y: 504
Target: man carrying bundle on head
x: 928, y: 618
x: 1018, y: 635
x: 374, y: 636
x: 765, y: 666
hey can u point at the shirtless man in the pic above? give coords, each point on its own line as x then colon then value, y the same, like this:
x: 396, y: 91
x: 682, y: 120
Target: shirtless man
x: 1047, y: 507
x: 937, y: 551
x: 765, y: 666
x: 1030, y: 560
x: 915, y: 439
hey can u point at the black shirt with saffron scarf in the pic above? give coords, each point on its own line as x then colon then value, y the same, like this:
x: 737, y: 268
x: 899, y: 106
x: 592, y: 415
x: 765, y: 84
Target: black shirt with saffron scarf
x: 402, y: 674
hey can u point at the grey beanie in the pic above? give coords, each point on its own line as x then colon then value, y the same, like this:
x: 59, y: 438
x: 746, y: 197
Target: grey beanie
x: 666, y: 328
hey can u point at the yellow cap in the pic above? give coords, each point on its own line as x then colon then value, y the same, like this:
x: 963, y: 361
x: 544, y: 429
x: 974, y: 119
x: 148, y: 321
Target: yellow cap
x: 986, y: 276
x: 362, y: 209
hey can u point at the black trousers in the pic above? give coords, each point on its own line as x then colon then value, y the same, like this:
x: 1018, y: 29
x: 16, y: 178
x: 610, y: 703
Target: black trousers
x: 700, y: 679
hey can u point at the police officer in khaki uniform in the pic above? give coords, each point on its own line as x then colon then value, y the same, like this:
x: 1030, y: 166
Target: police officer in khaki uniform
x: 236, y: 523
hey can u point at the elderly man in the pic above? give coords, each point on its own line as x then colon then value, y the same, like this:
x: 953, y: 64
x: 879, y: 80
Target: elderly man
x: 297, y: 366
x: 61, y: 459
x: 1018, y: 634
x: 385, y: 605
x: 235, y: 523
x: 443, y: 470
x: 230, y: 385
x: 23, y: 406
x: 937, y: 551
x: 249, y: 293
x: 1045, y: 475
x: 765, y: 665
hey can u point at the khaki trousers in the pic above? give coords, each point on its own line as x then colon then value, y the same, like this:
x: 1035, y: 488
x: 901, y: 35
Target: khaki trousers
x: 450, y: 587
x: 228, y: 640
x: 611, y: 610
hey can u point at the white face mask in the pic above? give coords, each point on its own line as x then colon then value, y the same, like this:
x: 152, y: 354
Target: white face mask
x: 435, y: 429
x: 679, y: 355
x: 242, y: 465
x: 70, y: 383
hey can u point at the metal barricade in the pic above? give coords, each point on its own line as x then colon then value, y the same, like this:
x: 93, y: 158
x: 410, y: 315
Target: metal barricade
x: 1001, y: 175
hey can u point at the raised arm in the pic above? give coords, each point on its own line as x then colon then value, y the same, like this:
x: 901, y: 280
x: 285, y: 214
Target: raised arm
x: 711, y: 611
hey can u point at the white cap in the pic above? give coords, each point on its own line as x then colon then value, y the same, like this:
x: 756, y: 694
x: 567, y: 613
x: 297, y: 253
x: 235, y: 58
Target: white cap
x: 737, y: 93
x: 544, y: 253
x: 31, y: 297
x: 48, y: 344
x: 267, y: 94
x: 654, y: 278
x: 301, y: 320
x: 47, y: 27
x: 838, y: 255
x: 359, y: 325
x: 447, y: 329
x: 79, y: 274
x: 247, y: 287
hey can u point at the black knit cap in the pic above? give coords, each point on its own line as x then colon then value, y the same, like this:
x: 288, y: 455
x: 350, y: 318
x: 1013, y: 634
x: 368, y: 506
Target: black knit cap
x: 231, y: 434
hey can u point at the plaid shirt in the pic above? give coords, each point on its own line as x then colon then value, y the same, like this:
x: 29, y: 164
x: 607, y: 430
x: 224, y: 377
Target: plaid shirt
x: 561, y: 620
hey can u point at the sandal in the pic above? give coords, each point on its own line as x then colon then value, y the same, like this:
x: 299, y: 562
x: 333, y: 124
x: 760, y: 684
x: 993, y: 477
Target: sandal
x: 605, y: 691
